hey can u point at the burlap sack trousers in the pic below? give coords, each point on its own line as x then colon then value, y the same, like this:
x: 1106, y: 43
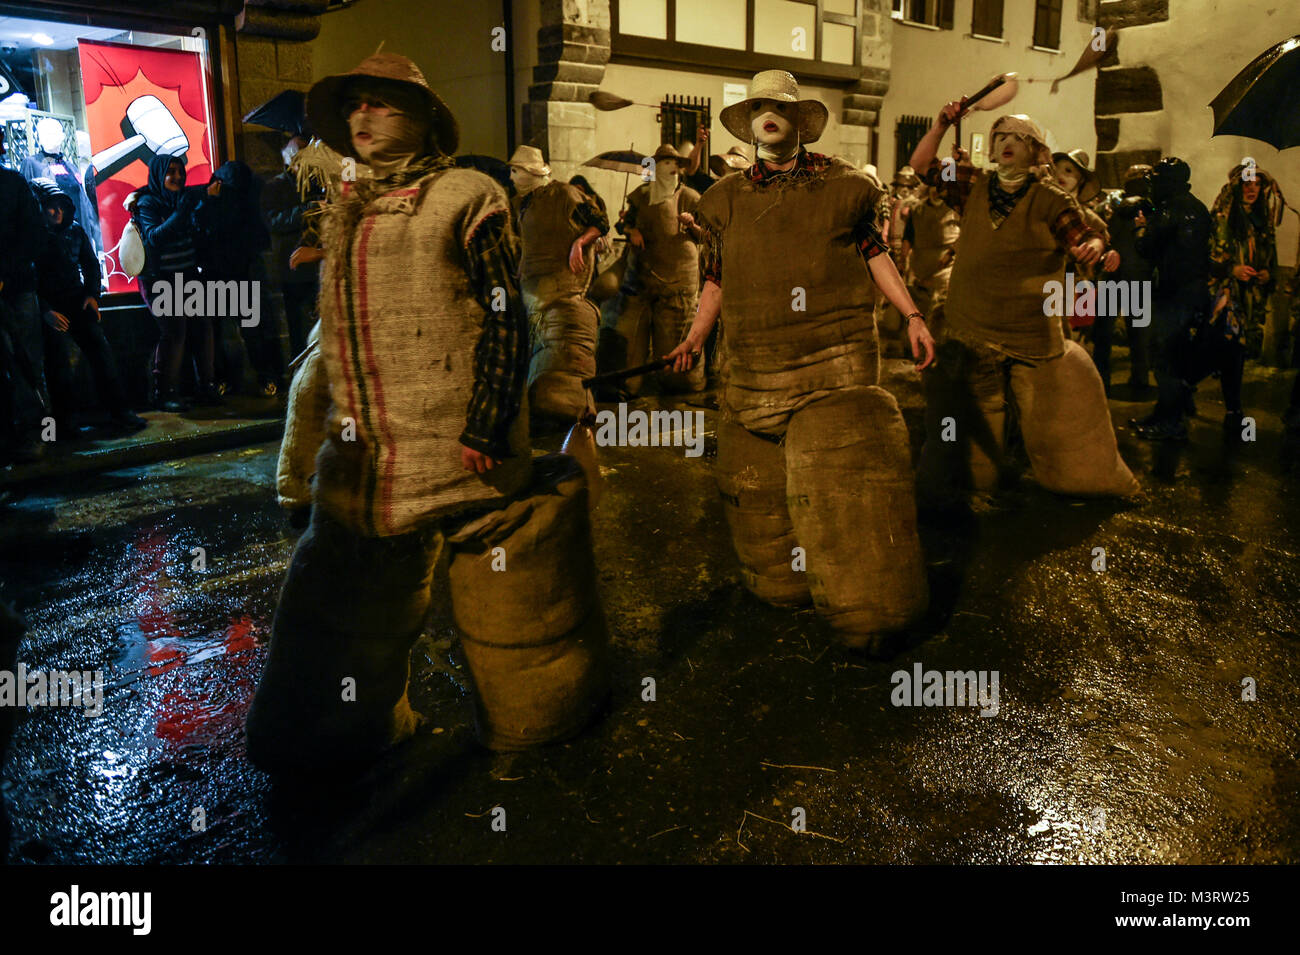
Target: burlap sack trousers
x: 564, y: 327
x: 652, y: 323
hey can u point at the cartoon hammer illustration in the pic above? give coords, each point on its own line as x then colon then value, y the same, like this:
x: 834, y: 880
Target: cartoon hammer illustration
x: 151, y: 130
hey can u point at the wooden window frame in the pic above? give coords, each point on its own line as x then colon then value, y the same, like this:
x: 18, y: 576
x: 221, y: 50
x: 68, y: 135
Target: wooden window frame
x: 696, y: 56
x: 975, y: 23
x: 1051, y: 7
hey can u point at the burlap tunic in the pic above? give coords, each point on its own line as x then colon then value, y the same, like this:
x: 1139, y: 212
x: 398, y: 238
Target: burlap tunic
x: 660, y: 288
x: 563, y: 319
x: 796, y: 292
x: 399, y: 325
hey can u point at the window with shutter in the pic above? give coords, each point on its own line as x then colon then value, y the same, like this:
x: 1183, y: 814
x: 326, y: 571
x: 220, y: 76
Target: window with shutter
x: 986, y: 19
x: 1047, y: 24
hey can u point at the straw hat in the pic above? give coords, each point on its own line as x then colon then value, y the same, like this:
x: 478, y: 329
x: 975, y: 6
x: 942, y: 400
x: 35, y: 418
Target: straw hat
x: 529, y: 159
x: 325, y: 103
x: 667, y: 151
x: 733, y: 159
x: 906, y: 176
x: 1022, y: 125
x: 1089, y: 187
x: 780, y: 86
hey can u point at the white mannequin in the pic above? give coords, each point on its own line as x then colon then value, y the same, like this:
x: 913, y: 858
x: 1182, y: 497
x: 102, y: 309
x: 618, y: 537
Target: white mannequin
x: 49, y: 135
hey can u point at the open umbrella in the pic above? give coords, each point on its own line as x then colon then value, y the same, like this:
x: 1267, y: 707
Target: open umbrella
x: 284, y: 111
x: 618, y: 160
x: 626, y: 161
x: 1263, y: 100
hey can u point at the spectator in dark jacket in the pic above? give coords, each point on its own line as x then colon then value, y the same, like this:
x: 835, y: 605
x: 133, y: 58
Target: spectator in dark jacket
x: 231, y: 244
x: 23, y: 402
x: 167, y: 215
x: 292, y: 220
x: 1176, y: 241
x: 68, y: 281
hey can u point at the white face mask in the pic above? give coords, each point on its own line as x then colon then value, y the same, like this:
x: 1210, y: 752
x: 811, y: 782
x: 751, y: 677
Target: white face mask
x: 664, y: 183
x: 778, y: 143
x: 291, y: 149
x: 525, y: 181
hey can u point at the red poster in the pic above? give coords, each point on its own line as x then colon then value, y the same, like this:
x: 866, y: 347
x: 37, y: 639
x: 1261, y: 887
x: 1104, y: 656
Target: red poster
x: 140, y: 102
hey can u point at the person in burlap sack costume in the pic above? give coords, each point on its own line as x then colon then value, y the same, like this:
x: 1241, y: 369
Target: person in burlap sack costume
x: 929, y: 245
x: 1017, y: 229
x: 557, y: 222
x: 897, y: 207
x: 813, y: 460
x: 662, y: 281
x: 423, y: 350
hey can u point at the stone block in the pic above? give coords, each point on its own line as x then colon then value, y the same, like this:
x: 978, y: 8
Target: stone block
x: 1132, y: 13
x: 1111, y: 166
x: 256, y: 57
x: 1128, y: 90
x: 1107, y: 132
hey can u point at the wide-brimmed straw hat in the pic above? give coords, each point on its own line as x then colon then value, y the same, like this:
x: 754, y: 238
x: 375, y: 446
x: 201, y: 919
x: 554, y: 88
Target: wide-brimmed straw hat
x: 668, y: 151
x: 529, y: 159
x: 780, y: 86
x: 735, y: 158
x: 325, y: 103
x: 1089, y: 187
x: 906, y: 176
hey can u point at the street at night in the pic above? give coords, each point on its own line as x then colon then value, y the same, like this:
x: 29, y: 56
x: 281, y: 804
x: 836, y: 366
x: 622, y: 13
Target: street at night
x: 443, y: 444
x: 1121, y: 735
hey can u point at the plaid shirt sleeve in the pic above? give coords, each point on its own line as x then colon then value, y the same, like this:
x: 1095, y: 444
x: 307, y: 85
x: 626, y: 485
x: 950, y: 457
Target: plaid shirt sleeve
x: 1070, y: 228
x: 588, y: 214
x: 501, y: 355
x: 868, y: 238
x: 710, y: 254
x: 954, y: 191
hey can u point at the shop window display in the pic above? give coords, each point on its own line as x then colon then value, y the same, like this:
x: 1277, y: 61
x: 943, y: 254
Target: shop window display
x: 89, y: 106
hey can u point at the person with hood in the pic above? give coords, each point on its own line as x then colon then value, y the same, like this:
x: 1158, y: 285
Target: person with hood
x: 292, y: 213
x: 1004, y: 327
x: 232, y: 241
x: 1176, y: 241
x: 662, y: 281
x: 167, y: 215
x: 808, y: 440
x: 557, y: 224
x: 68, y: 278
x: 1133, y: 268
x: 24, y: 401
x: 1243, y: 273
x: 423, y: 351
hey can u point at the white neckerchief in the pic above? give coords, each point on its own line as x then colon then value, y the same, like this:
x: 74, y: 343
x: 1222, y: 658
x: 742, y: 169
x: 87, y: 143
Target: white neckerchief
x: 662, y: 187
x: 778, y: 153
x: 531, y: 183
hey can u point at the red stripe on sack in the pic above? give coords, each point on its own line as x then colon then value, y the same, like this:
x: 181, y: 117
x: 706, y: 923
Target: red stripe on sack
x: 340, y: 313
x: 372, y: 369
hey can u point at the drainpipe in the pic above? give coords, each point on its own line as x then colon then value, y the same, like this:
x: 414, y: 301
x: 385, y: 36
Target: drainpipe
x: 507, y: 12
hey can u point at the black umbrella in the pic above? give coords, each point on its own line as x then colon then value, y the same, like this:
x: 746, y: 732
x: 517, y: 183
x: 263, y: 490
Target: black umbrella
x: 1263, y: 100
x: 284, y: 111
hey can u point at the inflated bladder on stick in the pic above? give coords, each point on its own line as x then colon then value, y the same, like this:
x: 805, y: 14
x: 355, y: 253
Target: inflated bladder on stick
x: 851, y: 497
x: 1065, y: 420
x: 750, y: 472
x: 523, y: 589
